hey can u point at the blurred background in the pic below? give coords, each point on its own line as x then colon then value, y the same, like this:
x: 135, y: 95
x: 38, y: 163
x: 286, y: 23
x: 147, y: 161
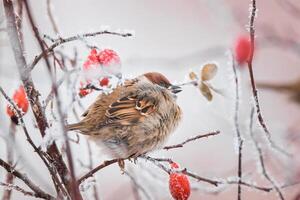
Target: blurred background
x: 174, y: 38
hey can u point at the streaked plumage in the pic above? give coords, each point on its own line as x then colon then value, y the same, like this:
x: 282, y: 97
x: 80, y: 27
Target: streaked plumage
x: 135, y: 118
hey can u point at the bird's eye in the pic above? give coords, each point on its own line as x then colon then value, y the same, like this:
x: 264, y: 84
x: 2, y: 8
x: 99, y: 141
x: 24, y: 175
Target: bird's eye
x: 164, y: 85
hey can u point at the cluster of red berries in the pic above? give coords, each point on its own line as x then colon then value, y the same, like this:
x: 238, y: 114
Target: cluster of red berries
x: 21, y: 102
x: 179, y: 184
x: 103, y: 58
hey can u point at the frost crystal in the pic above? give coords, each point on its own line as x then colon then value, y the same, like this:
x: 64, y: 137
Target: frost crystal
x: 87, y: 184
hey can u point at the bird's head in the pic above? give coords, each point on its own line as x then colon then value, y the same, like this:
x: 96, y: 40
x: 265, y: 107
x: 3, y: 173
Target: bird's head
x: 162, y: 81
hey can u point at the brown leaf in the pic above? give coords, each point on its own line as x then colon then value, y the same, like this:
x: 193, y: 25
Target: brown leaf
x: 205, y: 91
x: 193, y: 76
x: 209, y: 71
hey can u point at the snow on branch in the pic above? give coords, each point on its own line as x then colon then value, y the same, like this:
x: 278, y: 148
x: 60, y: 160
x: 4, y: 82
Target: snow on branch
x: 191, y: 139
x: 60, y: 41
x: 38, y: 192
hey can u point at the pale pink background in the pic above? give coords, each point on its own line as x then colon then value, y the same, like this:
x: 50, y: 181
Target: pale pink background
x: 173, y: 37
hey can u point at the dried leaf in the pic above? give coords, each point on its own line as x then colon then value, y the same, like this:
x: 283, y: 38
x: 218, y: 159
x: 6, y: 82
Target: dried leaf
x: 208, y: 71
x: 193, y: 76
x: 205, y: 91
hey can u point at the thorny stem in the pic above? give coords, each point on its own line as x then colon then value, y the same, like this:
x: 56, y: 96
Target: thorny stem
x: 252, y: 79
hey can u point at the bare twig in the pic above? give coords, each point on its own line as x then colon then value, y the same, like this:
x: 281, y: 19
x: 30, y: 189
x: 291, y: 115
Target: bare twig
x: 61, y: 41
x: 40, y: 153
x: 237, y: 129
x: 10, y: 159
x: 11, y: 187
x: 39, y: 192
x: 51, y: 17
x: 252, y: 79
x: 261, y: 159
x: 93, y: 171
x: 191, y: 139
x: 95, y: 192
x: 50, y: 96
x: 32, y: 93
x: 70, y: 184
x: 157, y: 162
x: 20, y: 20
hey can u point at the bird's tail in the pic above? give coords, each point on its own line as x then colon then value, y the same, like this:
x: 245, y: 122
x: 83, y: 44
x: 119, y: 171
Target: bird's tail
x: 276, y: 87
x: 73, y: 127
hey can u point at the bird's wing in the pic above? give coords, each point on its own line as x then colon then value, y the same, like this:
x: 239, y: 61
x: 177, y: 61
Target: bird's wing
x: 104, y: 100
x: 126, y: 105
x: 129, y: 110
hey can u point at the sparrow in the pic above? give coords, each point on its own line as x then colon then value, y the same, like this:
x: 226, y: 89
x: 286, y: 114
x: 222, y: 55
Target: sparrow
x: 135, y: 118
x: 292, y: 88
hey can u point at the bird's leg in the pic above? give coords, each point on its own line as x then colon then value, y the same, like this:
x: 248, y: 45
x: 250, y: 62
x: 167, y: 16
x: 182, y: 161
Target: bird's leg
x: 133, y: 158
x: 121, y: 164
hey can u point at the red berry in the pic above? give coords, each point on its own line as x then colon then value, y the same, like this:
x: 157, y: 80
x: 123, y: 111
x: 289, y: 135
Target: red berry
x: 83, y: 92
x: 108, y: 57
x: 91, y: 60
x: 179, y: 184
x: 104, y: 82
x: 9, y: 111
x: 21, y: 102
x: 242, y: 49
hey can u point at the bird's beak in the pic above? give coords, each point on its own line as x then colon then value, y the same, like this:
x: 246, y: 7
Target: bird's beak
x: 175, y: 89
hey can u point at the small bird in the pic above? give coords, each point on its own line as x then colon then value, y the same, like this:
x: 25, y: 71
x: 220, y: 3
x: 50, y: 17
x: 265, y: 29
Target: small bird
x: 136, y: 118
x: 292, y: 89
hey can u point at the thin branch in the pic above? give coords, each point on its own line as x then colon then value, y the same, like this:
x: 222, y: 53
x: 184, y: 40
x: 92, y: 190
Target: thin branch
x: 10, y: 159
x: 39, y: 192
x: 61, y: 41
x: 93, y: 171
x: 32, y: 93
x: 191, y: 139
x: 183, y: 171
x: 237, y: 129
x: 50, y: 96
x: 51, y: 17
x: 71, y: 184
x: 11, y: 187
x: 252, y: 79
x: 261, y: 188
x: 95, y: 192
x: 40, y: 153
x: 261, y: 158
